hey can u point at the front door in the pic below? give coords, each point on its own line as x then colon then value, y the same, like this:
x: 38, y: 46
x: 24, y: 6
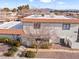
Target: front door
x: 62, y: 41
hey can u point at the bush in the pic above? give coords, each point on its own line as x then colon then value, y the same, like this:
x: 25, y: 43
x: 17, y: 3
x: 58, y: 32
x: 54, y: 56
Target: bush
x: 33, y: 46
x: 14, y: 43
x: 28, y: 54
x: 4, y: 39
x: 10, y: 41
x: 45, y: 45
x: 17, y: 43
x: 14, y: 48
x: 9, y: 53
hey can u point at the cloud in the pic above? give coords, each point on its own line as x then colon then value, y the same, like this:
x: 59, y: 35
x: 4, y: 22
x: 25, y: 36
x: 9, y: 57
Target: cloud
x: 60, y: 2
x: 45, y: 1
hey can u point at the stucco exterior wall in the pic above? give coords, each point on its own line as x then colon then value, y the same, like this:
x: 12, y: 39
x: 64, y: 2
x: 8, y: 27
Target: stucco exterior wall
x: 56, y: 30
x: 25, y: 41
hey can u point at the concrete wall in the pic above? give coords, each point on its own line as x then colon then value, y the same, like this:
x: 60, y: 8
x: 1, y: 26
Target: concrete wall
x: 75, y: 45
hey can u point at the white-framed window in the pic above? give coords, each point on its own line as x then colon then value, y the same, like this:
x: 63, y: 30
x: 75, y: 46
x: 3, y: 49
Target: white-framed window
x: 66, y: 26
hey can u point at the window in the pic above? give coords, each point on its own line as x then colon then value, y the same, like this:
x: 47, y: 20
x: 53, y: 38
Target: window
x: 66, y: 27
x: 36, y: 25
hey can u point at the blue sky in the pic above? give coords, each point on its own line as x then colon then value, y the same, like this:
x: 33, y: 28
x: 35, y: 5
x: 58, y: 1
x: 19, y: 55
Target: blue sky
x: 53, y: 4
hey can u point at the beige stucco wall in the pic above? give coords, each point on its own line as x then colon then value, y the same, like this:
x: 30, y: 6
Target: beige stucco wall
x: 56, y: 28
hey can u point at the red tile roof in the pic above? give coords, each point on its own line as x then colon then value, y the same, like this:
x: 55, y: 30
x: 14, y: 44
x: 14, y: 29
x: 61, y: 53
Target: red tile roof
x: 11, y: 31
x: 49, y: 20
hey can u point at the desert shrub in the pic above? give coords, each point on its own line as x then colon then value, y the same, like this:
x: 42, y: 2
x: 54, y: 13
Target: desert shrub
x: 33, y: 45
x: 30, y: 54
x: 45, y: 45
x: 10, y: 41
x: 14, y: 48
x: 4, y: 39
x: 14, y: 43
x: 17, y: 43
x: 9, y: 53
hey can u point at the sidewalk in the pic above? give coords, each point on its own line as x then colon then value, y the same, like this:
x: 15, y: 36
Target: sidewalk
x: 54, y: 50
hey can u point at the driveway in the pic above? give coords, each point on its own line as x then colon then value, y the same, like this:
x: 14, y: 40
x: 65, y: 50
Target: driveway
x: 58, y: 55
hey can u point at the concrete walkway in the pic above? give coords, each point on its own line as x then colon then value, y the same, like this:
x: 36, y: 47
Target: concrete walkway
x: 20, y: 49
x: 54, y: 50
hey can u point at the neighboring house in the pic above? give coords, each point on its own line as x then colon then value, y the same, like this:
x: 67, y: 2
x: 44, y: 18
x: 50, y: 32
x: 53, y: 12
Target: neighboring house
x: 8, y: 16
x: 11, y: 33
x: 57, y: 29
x: 12, y: 29
x: 11, y: 25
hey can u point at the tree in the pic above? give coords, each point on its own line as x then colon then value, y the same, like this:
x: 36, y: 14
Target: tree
x: 20, y: 8
x: 43, y: 34
x: 51, y: 11
x: 14, y: 10
x: 23, y: 8
x: 38, y: 35
x: 6, y: 9
x: 27, y: 6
